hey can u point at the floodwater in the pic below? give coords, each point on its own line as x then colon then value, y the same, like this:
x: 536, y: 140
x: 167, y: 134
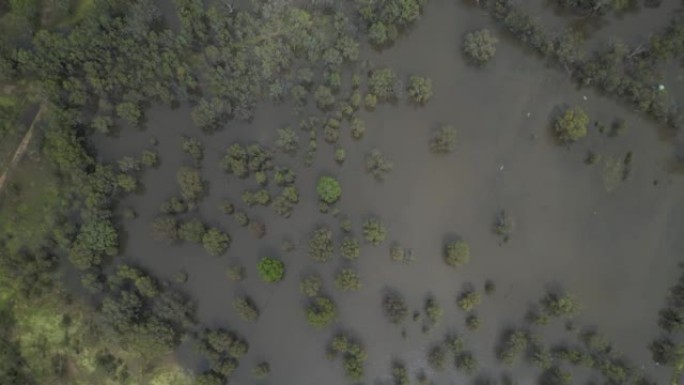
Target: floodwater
x: 616, y: 252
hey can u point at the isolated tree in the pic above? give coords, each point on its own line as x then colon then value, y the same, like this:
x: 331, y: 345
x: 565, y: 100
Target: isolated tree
x: 457, y: 253
x: 571, y: 125
x: 480, y: 46
x: 271, y: 270
x: 420, y: 89
x: 328, y: 189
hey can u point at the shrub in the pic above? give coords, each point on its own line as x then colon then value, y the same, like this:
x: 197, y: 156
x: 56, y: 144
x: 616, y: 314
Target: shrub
x: 400, y: 374
x: 514, y: 344
x: 173, y: 206
x: 215, y: 241
x: 457, y: 253
x: 400, y: 254
x: 480, y: 46
x: 433, y: 311
x: 374, y: 231
x: 420, y: 89
x: 261, y: 370
x: 246, y: 309
x: 260, y: 197
x: 128, y: 164
x: 165, y: 229
x: 571, y: 125
x: 444, y: 140
x: 321, y: 311
x: 340, y: 155
x: 194, y: 148
x: 473, y: 322
x: 466, y: 363
x: 454, y: 344
x: 191, y: 184
x: 271, y: 270
x: 258, y: 229
x: 324, y: 97
x: 126, y: 182
x: 559, y: 305
x: 192, y: 231
x: 347, y: 280
x: 358, y: 128
x: 241, y: 218
x: 311, y: 285
x: 383, y: 84
x: 394, y: 307
x: 227, y: 207
x: 489, y: 287
x: 468, y: 300
x: 288, y: 141
x: 437, y: 357
x: 377, y: 165
x: 328, y: 189
x: 149, y: 158
x: 321, y: 247
x: 350, y: 248
x: 503, y: 225
x: 236, y: 273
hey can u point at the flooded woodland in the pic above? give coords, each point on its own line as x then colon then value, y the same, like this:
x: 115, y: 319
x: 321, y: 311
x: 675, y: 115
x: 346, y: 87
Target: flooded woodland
x: 573, y: 246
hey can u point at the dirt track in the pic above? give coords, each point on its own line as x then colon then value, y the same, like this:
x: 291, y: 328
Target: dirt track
x: 21, y: 149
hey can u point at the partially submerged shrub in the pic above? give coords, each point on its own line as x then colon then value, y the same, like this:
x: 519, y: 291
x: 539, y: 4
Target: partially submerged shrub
x: 437, y: 357
x: 165, y: 229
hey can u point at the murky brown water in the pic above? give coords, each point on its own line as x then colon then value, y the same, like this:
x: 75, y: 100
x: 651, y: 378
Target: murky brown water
x: 617, y: 252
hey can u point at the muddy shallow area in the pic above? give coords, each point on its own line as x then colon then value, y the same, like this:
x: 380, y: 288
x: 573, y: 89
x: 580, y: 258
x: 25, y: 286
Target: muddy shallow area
x: 617, y: 252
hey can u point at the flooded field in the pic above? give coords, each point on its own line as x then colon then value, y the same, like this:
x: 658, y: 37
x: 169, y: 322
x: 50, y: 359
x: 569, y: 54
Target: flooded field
x: 617, y: 251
